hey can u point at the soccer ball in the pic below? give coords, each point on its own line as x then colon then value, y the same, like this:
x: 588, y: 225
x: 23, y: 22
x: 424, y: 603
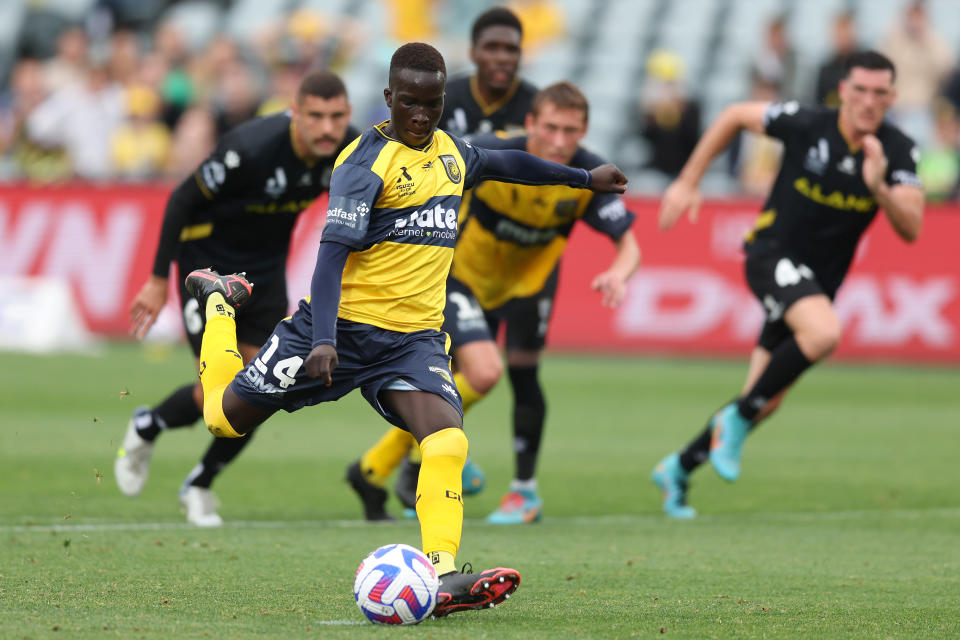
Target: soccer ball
x: 396, y: 584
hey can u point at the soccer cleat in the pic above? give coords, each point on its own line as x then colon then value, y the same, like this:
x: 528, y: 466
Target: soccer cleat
x: 132, y: 465
x: 201, y: 506
x: 406, y: 486
x: 672, y: 480
x: 234, y: 287
x: 518, y: 507
x: 729, y: 430
x: 463, y: 590
x: 474, y: 480
x: 373, y: 497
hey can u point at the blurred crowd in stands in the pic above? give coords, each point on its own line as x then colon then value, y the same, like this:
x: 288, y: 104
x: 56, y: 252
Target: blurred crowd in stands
x: 124, y: 94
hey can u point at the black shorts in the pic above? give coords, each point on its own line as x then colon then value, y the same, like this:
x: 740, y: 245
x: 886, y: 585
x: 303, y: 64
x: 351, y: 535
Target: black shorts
x: 527, y: 319
x: 255, y: 319
x: 778, y: 280
x: 370, y: 358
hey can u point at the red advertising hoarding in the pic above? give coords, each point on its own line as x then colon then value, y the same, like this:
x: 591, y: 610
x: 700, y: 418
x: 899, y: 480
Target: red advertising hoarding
x: 899, y: 302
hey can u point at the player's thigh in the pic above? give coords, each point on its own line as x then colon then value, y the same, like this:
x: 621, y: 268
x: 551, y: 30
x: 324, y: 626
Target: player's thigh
x: 422, y: 412
x: 248, y: 351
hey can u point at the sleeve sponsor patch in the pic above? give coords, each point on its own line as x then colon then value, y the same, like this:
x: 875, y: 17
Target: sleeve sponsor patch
x: 347, y: 221
x: 908, y: 178
x: 214, y: 174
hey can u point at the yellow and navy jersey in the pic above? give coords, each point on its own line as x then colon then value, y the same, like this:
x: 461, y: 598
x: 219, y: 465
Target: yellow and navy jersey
x: 396, y: 207
x: 248, y: 195
x: 819, y: 205
x: 465, y: 112
x: 513, y: 235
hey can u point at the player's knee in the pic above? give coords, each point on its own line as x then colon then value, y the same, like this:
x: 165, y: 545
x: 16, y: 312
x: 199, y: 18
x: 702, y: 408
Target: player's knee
x: 215, y: 418
x: 450, y: 442
x: 822, y: 339
x: 484, y: 376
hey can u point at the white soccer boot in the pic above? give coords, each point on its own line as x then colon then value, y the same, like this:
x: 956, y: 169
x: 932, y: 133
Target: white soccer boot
x: 201, y: 507
x: 132, y: 465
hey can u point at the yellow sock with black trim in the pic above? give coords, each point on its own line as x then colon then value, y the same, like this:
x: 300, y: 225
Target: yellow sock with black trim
x: 220, y: 362
x: 382, y: 458
x: 217, y: 306
x: 468, y: 394
x: 439, y: 496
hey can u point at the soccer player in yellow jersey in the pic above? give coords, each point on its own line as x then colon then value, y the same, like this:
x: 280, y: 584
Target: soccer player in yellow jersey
x: 376, y: 306
x: 505, y: 272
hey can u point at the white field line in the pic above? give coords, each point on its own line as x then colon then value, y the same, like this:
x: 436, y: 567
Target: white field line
x: 605, y: 520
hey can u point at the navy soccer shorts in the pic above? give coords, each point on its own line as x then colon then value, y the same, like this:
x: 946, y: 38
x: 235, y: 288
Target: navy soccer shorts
x: 527, y: 319
x: 370, y: 358
x: 778, y: 281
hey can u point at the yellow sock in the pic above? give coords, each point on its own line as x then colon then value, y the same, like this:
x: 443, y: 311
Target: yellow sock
x: 382, y: 458
x: 217, y: 306
x: 439, y: 501
x: 468, y: 394
x: 219, y: 364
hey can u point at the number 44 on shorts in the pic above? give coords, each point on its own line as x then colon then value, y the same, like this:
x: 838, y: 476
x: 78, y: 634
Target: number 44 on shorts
x: 285, y: 371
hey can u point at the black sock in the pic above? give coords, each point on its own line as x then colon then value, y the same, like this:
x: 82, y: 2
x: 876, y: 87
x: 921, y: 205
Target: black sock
x: 529, y: 413
x: 179, y: 409
x: 787, y: 363
x: 220, y: 453
x: 697, y: 452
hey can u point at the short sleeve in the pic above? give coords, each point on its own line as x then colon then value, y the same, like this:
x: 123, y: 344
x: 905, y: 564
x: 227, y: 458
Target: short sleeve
x: 353, y: 191
x: 609, y: 215
x: 787, y: 120
x: 902, y: 159
x: 223, y: 171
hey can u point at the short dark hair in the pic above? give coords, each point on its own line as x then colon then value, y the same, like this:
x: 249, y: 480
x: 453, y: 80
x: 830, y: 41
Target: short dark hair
x: 873, y: 60
x: 321, y: 83
x: 563, y: 95
x: 417, y: 56
x: 496, y: 17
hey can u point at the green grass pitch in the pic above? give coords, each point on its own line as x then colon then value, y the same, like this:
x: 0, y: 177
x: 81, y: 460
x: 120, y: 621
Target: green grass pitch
x: 844, y: 524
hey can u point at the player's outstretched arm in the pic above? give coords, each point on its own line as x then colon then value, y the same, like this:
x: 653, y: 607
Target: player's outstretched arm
x: 902, y: 204
x: 520, y: 167
x: 683, y: 195
x: 324, y: 304
x: 152, y: 297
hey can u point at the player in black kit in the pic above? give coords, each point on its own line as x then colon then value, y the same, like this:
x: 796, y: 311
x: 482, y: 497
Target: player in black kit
x: 235, y: 213
x: 495, y: 98
x: 839, y: 167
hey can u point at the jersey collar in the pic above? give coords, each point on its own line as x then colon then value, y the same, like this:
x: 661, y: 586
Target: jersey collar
x: 380, y: 127
x: 489, y: 109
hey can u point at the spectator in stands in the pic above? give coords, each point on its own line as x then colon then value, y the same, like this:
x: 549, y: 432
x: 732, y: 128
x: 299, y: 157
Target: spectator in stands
x: 831, y: 71
x: 25, y: 92
x: 922, y: 58
x: 69, y: 65
x: 939, y: 166
x: 776, y: 61
x: 237, y: 97
x: 669, y: 120
x: 140, y: 147
x: 81, y: 119
x: 124, y: 60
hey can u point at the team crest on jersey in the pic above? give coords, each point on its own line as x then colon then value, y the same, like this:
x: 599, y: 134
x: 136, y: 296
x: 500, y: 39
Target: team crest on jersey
x: 451, y: 167
x: 818, y: 156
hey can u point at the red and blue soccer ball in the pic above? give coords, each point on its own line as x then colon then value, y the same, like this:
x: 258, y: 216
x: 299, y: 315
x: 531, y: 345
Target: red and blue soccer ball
x: 396, y: 584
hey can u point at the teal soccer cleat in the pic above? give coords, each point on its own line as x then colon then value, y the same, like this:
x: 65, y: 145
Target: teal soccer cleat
x: 672, y: 480
x: 518, y: 507
x: 729, y: 430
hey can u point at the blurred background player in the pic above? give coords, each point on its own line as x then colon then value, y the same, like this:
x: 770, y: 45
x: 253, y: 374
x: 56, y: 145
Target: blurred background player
x: 235, y: 213
x: 494, y: 98
x: 376, y: 305
x: 839, y: 167
x: 505, y: 271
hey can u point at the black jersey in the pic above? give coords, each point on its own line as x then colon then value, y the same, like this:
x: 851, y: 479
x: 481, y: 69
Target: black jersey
x: 820, y: 205
x: 464, y: 111
x: 254, y: 186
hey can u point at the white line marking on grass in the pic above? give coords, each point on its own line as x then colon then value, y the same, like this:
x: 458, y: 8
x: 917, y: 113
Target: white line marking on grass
x: 340, y: 622
x: 605, y: 520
